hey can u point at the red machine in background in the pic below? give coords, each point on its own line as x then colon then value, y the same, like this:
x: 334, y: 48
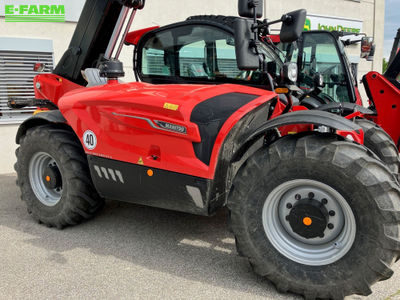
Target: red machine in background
x: 383, y: 91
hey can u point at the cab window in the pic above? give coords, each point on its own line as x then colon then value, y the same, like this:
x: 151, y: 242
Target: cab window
x: 191, y: 53
x: 153, y: 63
x: 192, y: 60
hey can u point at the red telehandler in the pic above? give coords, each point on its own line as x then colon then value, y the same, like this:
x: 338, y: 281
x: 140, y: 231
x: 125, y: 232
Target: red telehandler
x: 383, y: 91
x: 315, y: 212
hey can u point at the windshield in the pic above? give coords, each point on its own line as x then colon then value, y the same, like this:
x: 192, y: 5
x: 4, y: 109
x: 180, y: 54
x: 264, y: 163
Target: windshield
x: 320, y: 56
x: 272, y: 57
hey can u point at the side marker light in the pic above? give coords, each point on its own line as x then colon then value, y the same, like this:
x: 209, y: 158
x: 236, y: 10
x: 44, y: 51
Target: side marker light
x: 281, y: 90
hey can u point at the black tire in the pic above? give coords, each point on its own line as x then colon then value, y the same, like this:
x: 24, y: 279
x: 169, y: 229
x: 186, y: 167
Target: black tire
x: 227, y: 21
x: 380, y: 143
x: 369, y: 189
x: 79, y: 200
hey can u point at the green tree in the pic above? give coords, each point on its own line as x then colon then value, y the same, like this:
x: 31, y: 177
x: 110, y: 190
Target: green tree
x: 385, y: 64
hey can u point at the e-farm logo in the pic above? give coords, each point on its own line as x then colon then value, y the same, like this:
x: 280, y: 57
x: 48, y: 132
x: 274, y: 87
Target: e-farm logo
x: 34, y: 13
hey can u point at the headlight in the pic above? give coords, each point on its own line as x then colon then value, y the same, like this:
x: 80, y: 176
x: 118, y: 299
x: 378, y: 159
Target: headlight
x: 290, y: 72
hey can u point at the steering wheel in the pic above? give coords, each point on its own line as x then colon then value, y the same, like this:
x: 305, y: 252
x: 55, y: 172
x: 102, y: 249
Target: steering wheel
x: 326, y: 96
x: 315, y: 98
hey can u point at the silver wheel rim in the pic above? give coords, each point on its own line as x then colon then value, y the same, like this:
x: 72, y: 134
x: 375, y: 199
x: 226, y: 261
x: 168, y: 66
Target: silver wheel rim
x: 315, y: 251
x: 38, y: 163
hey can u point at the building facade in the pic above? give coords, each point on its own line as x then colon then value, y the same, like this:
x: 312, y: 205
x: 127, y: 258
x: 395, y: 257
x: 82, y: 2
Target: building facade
x: 366, y: 16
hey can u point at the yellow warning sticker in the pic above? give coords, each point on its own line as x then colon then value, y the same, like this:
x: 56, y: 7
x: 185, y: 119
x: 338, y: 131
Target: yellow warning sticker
x: 171, y: 106
x: 140, y: 161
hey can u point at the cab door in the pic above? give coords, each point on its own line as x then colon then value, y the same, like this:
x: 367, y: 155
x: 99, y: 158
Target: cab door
x: 321, y: 52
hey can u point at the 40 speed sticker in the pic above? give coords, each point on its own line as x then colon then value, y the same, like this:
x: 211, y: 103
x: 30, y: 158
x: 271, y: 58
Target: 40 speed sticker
x: 89, y: 139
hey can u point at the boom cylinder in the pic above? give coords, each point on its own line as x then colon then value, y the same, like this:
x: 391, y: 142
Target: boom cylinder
x: 117, y: 32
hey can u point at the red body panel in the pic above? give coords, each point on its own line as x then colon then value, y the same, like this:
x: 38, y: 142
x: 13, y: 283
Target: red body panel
x: 275, y: 38
x: 358, y: 97
x: 121, y: 116
x: 52, y: 87
x: 132, y: 38
x: 293, y: 129
x: 386, y: 98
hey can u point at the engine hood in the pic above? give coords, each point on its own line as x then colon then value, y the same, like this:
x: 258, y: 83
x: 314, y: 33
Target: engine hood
x: 171, y: 101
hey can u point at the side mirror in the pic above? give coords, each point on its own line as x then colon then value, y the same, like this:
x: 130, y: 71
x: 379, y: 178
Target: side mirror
x: 367, y: 44
x: 292, y: 25
x: 371, y: 53
x: 39, y: 67
x: 246, y: 8
x: 318, y: 81
x: 246, y: 58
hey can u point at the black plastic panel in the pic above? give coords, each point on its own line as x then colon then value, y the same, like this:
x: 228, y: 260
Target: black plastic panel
x: 131, y: 183
x: 210, y: 116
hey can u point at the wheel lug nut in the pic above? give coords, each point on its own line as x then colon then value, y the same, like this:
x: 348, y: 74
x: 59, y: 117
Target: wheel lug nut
x: 289, y: 205
x: 311, y: 195
x: 324, y: 201
x: 322, y: 235
x: 297, y: 197
x: 332, y: 213
x: 287, y: 218
x: 330, y: 226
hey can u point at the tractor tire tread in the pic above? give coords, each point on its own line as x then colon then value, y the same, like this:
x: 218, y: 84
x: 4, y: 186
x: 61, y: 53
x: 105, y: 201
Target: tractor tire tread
x: 227, y: 21
x: 83, y: 202
x: 379, y: 142
x: 376, y: 178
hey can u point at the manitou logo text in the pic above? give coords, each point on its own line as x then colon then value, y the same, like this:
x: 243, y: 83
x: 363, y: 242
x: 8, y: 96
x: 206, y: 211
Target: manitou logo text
x: 34, y: 13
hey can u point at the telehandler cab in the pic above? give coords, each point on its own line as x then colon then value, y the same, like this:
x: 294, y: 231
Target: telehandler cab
x: 315, y: 212
x: 322, y: 53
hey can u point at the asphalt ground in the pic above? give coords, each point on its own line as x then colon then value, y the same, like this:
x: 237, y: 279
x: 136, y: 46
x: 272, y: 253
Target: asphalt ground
x: 130, y: 252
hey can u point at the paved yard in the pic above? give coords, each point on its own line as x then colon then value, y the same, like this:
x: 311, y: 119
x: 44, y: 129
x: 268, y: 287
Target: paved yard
x: 128, y: 251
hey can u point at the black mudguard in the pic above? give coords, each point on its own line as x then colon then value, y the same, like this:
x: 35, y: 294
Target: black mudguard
x: 48, y: 117
x: 344, y: 108
x: 315, y: 117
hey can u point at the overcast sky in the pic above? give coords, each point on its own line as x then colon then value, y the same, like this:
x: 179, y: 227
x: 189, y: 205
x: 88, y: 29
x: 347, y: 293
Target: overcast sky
x: 392, y: 23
